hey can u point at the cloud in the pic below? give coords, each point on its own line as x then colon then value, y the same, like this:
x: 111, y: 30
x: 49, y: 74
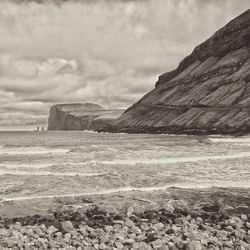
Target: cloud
x: 105, y: 51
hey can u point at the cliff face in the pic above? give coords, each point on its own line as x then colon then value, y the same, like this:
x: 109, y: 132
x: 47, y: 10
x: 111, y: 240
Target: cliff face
x: 81, y: 116
x: 209, y: 92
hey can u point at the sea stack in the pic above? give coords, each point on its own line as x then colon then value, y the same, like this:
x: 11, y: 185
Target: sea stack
x: 209, y: 92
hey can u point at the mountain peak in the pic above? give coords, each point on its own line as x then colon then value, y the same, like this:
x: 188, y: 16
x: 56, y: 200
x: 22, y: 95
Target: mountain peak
x: 235, y: 35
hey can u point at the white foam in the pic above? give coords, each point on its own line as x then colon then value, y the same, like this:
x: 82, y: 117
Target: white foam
x: 31, y: 150
x: 231, y: 139
x: 131, y: 189
x: 25, y: 165
x: 47, y: 173
x: 177, y: 159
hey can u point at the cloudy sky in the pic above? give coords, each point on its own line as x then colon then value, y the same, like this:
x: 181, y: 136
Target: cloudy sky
x: 108, y: 52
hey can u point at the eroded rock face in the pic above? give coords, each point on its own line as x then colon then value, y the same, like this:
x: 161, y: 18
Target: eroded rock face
x: 81, y: 116
x: 209, y: 92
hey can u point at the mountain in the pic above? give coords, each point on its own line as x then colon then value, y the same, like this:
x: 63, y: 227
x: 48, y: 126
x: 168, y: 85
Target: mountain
x: 209, y: 92
x: 81, y: 116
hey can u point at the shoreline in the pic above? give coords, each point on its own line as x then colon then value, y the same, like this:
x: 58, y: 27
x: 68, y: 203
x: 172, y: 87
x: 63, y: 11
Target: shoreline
x: 175, y: 218
x: 194, y: 198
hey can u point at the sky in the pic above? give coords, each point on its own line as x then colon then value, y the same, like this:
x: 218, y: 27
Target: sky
x: 108, y: 52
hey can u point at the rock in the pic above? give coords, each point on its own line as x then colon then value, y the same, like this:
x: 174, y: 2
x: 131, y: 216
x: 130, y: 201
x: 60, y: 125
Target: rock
x: 103, y: 246
x: 172, y: 246
x: 178, y: 242
x: 52, y: 230
x: 104, y: 239
x: 5, y: 232
x: 58, y: 234
x: 67, y: 226
x: 121, y: 222
x: 170, y: 231
x: 83, y: 231
x: 243, y: 217
x: 157, y: 244
x: 108, y: 229
x: 119, y: 245
x: 159, y: 226
x: 193, y: 245
x: 129, y: 223
x: 17, y: 226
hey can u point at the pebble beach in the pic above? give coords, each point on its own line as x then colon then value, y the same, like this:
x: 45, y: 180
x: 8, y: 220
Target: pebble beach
x: 207, y: 224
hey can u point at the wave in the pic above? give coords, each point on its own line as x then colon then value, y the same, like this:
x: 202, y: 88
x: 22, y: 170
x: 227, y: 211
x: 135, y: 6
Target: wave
x: 133, y: 189
x: 48, y: 173
x: 24, y: 166
x: 177, y: 159
x: 31, y: 150
x: 231, y: 139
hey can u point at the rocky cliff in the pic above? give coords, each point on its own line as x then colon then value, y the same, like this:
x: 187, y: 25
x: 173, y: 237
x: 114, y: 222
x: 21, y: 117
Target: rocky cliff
x: 81, y: 116
x: 209, y: 92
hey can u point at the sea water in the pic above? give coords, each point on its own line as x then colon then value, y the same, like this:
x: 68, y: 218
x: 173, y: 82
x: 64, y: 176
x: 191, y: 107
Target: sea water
x: 48, y: 164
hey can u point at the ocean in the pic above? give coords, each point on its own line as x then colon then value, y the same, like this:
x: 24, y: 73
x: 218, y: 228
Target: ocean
x: 48, y: 164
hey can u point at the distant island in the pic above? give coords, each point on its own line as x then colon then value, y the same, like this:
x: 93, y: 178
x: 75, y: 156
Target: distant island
x: 82, y: 116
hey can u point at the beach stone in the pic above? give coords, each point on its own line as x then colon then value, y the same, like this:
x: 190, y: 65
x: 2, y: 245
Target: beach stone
x: 172, y: 246
x: 228, y: 244
x: 67, y: 226
x: 119, y: 245
x: 243, y: 217
x: 43, y: 227
x: 17, y: 235
x: 144, y: 246
x: 239, y: 233
x: 214, y: 241
x: 178, y: 242
x: 83, y: 232
x: 222, y: 234
x: 4, y: 232
x: 117, y: 227
x: 52, y: 230
x: 67, y: 236
x: 129, y: 223
x: 121, y: 222
x: 156, y: 244
x: 12, y: 242
x: 159, y: 226
x: 103, y: 246
x: 129, y: 241
x: 104, y: 239
x: 17, y: 226
x: 170, y: 231
x: 165, y: 248
x: 108, y: 229
x: 193, y: 245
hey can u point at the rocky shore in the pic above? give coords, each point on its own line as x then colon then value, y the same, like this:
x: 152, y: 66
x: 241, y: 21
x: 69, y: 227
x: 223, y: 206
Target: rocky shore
x: 171, y: 219
x: 152, y: 229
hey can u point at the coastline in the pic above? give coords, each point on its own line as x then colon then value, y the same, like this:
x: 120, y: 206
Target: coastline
x: 199, y: 211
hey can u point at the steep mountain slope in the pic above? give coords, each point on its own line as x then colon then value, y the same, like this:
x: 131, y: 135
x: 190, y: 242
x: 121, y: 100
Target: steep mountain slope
x: 81, y: 116
x: 209, y: 92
